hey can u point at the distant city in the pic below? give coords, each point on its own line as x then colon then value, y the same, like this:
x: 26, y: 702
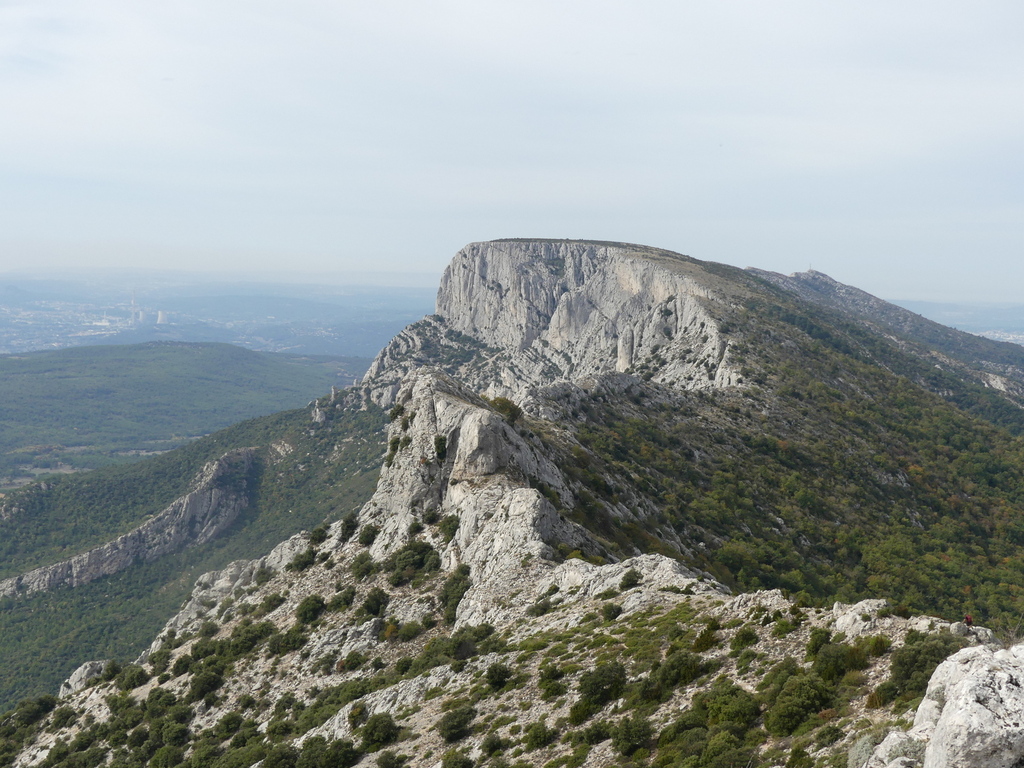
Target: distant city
x: 41, y: 314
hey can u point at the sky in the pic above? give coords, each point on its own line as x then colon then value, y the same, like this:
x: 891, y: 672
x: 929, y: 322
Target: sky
x: 878, y: 142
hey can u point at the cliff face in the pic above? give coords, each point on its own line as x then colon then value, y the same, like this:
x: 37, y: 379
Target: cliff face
x: 545, y: 311
x: 218, y: 496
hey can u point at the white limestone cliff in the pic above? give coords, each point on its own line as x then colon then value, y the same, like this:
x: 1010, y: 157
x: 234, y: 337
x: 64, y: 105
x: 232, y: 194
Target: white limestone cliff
x: 547, y: 311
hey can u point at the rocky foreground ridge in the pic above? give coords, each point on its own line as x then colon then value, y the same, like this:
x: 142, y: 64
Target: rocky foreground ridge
x: 466, y: 617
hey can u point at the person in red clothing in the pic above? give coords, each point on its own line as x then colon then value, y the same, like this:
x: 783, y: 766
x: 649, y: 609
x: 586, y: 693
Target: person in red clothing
x: 968, y: 620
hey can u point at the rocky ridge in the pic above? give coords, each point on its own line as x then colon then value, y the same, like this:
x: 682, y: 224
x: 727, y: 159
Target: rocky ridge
x: 219, y: 494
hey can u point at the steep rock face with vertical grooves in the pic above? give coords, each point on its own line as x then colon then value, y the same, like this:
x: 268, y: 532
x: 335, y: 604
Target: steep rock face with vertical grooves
x: 542, y: 311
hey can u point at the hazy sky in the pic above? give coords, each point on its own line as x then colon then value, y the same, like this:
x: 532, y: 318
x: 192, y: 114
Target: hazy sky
x: 879, y: 142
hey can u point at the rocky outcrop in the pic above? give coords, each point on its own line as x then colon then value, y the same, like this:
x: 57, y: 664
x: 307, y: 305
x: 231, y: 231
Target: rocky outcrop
x: 219, y: 494
x: 453, y: 455
x: 972, y: 715
x: 81, y: 677
x: 540, y: 311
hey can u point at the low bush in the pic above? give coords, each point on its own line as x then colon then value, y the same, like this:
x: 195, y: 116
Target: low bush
x: 379, y: 731
x: 455, y: 586
x: 497, y: 675
x: 744, y: 638
x: 539, y: 735
x: 376, y: 602
x: 310, y: 608
x: 368, y: 535
x: 606, y: 682
x: 802, y: 695
x: 455, y: 724
x: 630, y: 579
x: 632, y: 733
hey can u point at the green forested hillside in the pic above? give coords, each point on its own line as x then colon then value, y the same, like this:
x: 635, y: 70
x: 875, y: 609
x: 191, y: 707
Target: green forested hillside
x: 329, y: 471
x: 850, y: 469
x: 89, y: 406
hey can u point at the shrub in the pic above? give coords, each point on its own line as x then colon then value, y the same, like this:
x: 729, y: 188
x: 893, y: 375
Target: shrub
x: 64, y: 717
x: 455, y: 724
x: 166, y: 756
x: 819, y: 637
x: 597, y: 732
x: 708, y: 638
x: 448, y: 526
x: 508, y: 409
x: 680, y: 668
x: 391, y: 759
x: 376, y: 602
x: 281, y: 756
x: 440, y: 447
x: 281, y: 643
x: 497, y: 675
x: 368, y: 535
x: 409, y: 631
x: 771, y: 684
x: 302, y: 561
x: 610, y: 611
x: 539, y: 735
x: 802, y: 696
x: 834, y: 660
x: 342, y: 600
x: 270, y: 603
x: 453, y: 758
x: 876, y: 645
x: 632, y: 733
x: 630, y: 579
x: 540, y: 607
x: 318, y: 535
x: 746, y: 637
x: 131, y: 677
x: 159, y: 660
x: 453, y: 590
x: 414, y: 558
x: 492, y: 743
x: 310, y: 608
x: 362, y: 565
x: 318, y: 753
x: 604, y: 683
x: 913, y: 664
x: 203, y: 683
x: 349, y: 525
x: 379, y: 731
x: 828, y: 735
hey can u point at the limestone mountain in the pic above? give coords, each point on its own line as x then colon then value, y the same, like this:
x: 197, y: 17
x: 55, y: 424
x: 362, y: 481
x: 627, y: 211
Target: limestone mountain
x: 622, y: 492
